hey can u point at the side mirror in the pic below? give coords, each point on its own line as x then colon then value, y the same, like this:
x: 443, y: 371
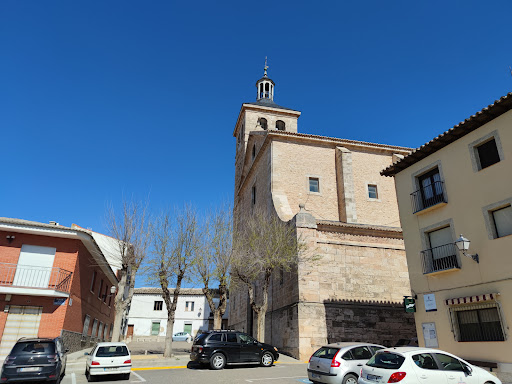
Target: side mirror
x: 467, y: 370
x: 256, y: 342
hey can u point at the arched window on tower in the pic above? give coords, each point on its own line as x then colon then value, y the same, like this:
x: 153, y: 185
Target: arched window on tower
x: 263, y: 122
x: 280, y: 125
x: 261, y: 90
x: 267, y: 90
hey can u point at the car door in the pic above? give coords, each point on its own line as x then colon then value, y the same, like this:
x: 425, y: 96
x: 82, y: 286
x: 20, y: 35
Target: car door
x: 360, y: 355
x: 249, y: 348
x: 427, y: 369
x: 454, y: 370
x: 232, y: 347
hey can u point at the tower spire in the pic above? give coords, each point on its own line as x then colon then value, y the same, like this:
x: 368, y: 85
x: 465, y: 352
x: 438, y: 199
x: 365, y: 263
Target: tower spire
x: 265, y: 86
x: 265, y: 68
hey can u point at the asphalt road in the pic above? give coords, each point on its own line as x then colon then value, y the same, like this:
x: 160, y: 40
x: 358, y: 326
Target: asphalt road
x: 286, y: 373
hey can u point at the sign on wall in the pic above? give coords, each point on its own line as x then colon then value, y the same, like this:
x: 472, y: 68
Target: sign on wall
x: 430, y: 302
x: 430, y: 335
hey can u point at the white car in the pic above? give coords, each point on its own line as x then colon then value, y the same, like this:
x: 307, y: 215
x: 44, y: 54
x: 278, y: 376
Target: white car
x: 108, y: 359
x: 338, y: 363
x: 415, y: 365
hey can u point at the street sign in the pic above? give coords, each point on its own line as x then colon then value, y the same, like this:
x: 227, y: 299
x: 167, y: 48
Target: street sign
x: 409, y: 304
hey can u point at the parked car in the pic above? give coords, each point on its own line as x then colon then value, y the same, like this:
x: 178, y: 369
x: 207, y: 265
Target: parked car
x: 181, y: 336
x: 35, y: 359
x: 218, y: 348
x: 108, y: 359
x: 414, y: 365
x: 340, y: 362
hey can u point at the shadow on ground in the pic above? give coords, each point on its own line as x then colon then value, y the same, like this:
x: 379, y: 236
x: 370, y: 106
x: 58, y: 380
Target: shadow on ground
x: 156, y: 348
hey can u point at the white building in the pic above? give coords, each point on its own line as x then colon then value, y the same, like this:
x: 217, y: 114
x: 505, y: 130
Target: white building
x: 148, y: 313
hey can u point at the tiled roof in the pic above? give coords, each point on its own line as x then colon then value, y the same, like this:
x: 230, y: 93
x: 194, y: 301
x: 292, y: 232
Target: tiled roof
x: 359, y: 226
x: 269, y: 103
x: 9, y: 220
x: 472, y: 123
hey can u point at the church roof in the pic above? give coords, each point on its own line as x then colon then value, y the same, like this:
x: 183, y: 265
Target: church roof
x: 269, y: 103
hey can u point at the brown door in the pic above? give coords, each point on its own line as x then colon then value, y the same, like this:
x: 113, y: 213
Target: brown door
x: 129, y: 333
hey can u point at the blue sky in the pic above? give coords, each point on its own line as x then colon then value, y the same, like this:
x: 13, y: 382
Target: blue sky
x: 105, y: 99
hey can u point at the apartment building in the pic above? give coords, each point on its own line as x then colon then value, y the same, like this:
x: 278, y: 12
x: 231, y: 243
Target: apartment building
x: 454, y: 196
x: 54, y: 281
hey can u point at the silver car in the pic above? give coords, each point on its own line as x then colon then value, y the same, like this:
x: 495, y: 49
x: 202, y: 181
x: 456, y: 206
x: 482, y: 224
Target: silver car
x: 340, y: 362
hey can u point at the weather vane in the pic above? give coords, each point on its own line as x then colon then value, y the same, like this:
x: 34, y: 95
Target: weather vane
x: 266, y: 67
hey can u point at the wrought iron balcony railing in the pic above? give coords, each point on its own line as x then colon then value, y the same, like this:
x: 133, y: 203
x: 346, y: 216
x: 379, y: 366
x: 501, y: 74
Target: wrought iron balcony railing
x: 28, y: 276
x: 428, y: 196
x: 440, y: 258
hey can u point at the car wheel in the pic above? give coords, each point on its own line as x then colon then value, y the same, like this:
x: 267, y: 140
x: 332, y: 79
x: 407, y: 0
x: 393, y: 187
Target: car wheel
x: 349, y: 379
x: 267, y: 359
x: 217, y: 361
x: 88, y: 376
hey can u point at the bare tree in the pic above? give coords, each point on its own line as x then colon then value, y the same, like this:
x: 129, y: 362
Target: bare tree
x: 263, y: 243
x: 175, y: 244
x: 213, y: 261
x: 130, y: 231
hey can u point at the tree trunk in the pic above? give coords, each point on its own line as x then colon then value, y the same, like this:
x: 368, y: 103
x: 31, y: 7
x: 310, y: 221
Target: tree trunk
x: 260, y: 325
x: 168, y: 337
x: 217, y: 319
x: 119, y: 307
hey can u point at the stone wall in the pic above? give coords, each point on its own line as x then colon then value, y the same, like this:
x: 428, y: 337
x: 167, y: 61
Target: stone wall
x: 74, y: 341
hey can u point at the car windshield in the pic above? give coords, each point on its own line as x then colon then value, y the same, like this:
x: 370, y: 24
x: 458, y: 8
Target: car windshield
x: 33, y: 347
x: 386, y: 360
x: 112, y: 351
x: 326, y: 353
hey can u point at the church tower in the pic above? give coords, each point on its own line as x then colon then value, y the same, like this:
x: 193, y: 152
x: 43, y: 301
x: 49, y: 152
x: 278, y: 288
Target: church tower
x: 255, y: 120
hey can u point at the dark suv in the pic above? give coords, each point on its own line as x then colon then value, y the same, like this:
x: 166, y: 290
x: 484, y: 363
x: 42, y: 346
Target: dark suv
x: 219, y: 348
x: 35, y: 359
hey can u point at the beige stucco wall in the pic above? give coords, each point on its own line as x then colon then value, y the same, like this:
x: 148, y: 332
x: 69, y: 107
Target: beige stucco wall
x: 468, y: 191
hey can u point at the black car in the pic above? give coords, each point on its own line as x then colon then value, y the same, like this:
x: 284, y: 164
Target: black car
x: 35, y: 359
x: 220, y: 347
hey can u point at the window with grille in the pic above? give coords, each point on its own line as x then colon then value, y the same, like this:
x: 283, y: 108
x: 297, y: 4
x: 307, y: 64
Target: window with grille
x: 189, y: 306
x: 158, y: 305
x: 372, y: 191
x: 479, y: 323
x: 314, y: 184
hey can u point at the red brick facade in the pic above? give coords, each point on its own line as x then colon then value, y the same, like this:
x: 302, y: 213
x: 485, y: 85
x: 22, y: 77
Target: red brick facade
x: 68, y: 318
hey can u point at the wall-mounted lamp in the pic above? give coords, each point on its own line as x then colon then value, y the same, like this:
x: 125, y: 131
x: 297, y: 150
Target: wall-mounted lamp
x: 463, y: 244
x: 10, y: 238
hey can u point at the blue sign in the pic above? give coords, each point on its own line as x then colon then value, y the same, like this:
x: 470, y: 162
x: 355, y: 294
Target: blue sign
x: 59, y: 301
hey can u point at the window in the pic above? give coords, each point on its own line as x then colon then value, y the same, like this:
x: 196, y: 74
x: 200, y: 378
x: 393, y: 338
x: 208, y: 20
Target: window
x: 101, y: 289
x: 372, y: 191
x: 87, y: 320
x: 479, y: 323
x: 425, y: 361
x: 231, y: 337
x: 110, y: 300
x: 246, y: 339
x: 253, y: 195
x: 314, y: 184
x: 361, y: 353
x: 431, y: 188
x: 216, y: 337
x: 442, y: 253
x: 502, y: 220
x: 94, y: 327
x: 100, y: 330
x: 253, y: 151
x: 105, y: 294
x: 449, y: 363
x: 93, y: 281
x: 326, y: 353
x: 189, y: 306
x: 263, y: 123
x: 280, y: 125
x: 105, y: 332
x: 487, y: 154
x: 158, y: 305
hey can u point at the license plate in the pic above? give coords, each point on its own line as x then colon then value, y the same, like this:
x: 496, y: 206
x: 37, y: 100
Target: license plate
x: 110, y: 369
x: 29, y: 369
x: 315, y: 376
x: 372, y: 377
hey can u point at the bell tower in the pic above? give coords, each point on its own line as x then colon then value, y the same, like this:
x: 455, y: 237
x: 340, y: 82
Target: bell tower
x: 265, y: 86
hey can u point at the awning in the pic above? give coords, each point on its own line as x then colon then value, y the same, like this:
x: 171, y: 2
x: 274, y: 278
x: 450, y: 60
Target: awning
x: 472, y: 299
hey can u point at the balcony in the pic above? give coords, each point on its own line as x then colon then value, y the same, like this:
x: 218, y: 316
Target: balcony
x: 442, y: 258
x: 428, y: 196
x: 33, y: 280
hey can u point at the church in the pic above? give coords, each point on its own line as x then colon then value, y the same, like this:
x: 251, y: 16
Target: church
x: 331, y: 190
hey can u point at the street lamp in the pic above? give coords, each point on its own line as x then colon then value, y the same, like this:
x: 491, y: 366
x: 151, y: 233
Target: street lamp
x: 463, y: 245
